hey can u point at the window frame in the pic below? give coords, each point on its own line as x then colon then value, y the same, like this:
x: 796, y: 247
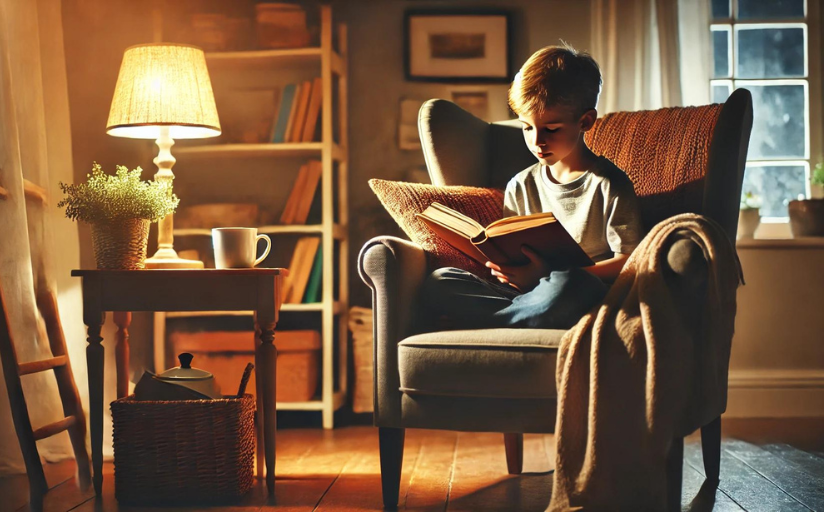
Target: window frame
x: 811, y: 24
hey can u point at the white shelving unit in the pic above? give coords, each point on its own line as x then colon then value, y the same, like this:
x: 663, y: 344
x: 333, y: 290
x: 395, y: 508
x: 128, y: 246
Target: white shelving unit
x: 334, y: 159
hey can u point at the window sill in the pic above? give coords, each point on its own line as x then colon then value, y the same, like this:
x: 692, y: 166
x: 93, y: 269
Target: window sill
x: 808, y: 242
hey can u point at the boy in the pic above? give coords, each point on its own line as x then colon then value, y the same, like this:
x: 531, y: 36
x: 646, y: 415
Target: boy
x: 554, y: 95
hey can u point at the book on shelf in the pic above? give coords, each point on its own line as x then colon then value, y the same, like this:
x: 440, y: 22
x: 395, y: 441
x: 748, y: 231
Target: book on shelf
x: 283, y: 112
x: 299, y: 202
x: 313, y: 172
x: 301, y: 106
x: 277, y: 97
x: 288, y: 215
x: 299, y: 269
x: 313, y: 291
x: 500, y: 242
x: 313, y: 111
x: 290, y: 123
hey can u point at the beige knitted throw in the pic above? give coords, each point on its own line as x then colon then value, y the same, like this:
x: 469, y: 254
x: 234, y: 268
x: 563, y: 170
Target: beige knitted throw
x: 634, y: 374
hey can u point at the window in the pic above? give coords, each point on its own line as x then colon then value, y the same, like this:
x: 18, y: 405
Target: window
x: 763, y: 46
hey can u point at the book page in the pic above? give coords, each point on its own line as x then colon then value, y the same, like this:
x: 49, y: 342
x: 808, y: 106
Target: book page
x: 518, y: 222
x: 453, y: 219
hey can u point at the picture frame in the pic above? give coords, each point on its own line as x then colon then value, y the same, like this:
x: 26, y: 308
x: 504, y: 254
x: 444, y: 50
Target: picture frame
x: 457, y: 46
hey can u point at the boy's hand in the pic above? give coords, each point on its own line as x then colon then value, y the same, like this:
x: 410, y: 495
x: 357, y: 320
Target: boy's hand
x: 523, y: 277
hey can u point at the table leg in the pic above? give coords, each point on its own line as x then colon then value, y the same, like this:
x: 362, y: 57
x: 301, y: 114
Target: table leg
x: 94, y: 362
x: 122, y: 319
x: 266, y: 358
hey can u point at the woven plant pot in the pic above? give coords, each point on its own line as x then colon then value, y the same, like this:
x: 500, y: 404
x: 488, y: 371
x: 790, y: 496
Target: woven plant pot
x: 120, y: 244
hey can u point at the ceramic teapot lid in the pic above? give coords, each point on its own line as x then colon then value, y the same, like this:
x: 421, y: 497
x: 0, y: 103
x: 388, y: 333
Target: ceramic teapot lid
x: 185, y: 370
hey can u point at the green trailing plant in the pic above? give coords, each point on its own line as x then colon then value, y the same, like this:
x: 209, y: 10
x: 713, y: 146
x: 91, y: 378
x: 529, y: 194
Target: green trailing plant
x: 817, y: 177
x: 107, y: 198
x: 750, y: 201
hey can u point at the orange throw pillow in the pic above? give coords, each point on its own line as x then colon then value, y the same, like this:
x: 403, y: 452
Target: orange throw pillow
x: 403, y: 200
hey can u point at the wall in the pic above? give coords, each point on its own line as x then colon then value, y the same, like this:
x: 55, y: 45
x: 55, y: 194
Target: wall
x: 777, y: 362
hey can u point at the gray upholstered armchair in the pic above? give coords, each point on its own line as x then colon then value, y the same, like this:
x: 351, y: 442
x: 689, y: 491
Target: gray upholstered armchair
x: 503, y: 380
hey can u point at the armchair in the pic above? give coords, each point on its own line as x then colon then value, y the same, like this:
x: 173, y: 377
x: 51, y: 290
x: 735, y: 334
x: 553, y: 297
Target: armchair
x: 503, y: 380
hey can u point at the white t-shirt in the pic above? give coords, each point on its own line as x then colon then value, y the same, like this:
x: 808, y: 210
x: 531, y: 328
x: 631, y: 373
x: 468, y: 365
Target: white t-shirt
x: 599, y: 208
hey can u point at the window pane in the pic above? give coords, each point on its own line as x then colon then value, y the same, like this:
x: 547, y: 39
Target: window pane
x: 770, y: 53
x: 776, y: 186
x: 778, y: 129
x: 720, y: 9
x: 768, y: 9
x: 720, y: 53
x: 720, y: 92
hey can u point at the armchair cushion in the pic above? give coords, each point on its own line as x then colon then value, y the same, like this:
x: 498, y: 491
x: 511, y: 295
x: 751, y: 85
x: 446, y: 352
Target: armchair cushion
x: 403, y: 200
x: 486, y: 363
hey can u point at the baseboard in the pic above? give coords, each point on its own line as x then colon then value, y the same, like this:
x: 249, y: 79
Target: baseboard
x: 775, y: 394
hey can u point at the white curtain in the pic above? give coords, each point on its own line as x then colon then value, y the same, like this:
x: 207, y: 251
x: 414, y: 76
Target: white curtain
x: 39, y: 246
x: 652, y: 53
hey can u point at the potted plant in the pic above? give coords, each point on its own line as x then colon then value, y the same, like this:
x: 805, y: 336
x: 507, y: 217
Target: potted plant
x: 749, y: 216
x: 807, y: 215
x: 119, y: 208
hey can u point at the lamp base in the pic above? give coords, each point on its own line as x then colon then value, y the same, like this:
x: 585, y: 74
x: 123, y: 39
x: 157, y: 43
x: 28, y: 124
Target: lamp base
x: 168, y: 258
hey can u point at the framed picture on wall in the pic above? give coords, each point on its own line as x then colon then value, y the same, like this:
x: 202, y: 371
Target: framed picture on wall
x: 457, y: 46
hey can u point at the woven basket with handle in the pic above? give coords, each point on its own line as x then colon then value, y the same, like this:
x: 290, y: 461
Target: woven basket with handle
x: 120, y: 244
x: 183, y: 451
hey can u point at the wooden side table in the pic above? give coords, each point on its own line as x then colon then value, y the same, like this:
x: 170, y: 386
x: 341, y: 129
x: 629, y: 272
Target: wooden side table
x: 124, y: 291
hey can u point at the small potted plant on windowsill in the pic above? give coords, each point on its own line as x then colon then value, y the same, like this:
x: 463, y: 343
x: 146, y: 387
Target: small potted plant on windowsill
x: 119, y: 208
x: 749, y: 216
x: 807, y: 215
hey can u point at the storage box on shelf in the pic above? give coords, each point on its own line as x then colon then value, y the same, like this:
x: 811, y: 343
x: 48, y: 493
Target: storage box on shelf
x: 225, y: 354
x: 324, y: 69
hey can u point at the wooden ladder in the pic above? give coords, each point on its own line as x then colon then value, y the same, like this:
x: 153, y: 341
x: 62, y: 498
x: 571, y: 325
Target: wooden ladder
x: 74, y: 420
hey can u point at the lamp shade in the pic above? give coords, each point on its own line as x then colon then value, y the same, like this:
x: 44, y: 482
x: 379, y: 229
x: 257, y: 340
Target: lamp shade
x: 163, y: 85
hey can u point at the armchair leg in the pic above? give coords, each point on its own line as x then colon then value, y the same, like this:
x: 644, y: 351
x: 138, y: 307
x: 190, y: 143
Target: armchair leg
x: 711, y: 449
x: 391, y: 451
x: 675, y: 465
x: 514, y: 445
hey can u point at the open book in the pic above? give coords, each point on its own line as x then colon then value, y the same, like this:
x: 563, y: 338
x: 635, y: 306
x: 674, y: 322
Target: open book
x: 500, y: 242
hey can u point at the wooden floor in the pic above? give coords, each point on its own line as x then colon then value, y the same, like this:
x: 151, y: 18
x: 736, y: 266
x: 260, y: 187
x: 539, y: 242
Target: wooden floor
x: 447, y: 471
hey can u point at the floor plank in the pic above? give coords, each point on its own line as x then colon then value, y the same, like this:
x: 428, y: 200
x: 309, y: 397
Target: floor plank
x: 696, y: 494
x: 745, y: 486
x: 339, y: 470
x: 480, y: 480
x: 811, y: 464
x: 427, y: 487
x: 786, y: 475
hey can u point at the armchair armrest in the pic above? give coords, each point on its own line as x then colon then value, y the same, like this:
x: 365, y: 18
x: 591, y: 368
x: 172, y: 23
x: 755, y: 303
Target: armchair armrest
x: 394, y: 269
x: 686, y: 270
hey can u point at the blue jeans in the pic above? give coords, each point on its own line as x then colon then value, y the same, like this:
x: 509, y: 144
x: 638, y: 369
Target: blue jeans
x: 469, y: 302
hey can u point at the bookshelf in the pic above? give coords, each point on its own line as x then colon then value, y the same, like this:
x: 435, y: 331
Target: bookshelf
x: 331, y: 150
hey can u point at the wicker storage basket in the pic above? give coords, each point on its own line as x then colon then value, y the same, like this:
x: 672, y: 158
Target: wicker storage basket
x: 120, y: 244
x: 186, y: 451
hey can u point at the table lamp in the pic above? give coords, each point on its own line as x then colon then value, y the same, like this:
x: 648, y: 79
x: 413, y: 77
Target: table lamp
x: 163, y: 92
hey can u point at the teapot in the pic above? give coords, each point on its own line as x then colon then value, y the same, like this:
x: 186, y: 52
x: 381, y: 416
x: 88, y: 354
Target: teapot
x: 195, y: 379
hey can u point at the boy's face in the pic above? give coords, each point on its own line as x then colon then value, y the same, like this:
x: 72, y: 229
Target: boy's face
x: 555, y: 134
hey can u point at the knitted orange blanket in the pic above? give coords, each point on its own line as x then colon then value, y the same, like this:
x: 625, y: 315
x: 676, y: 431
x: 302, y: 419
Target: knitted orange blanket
x: 634, y: 374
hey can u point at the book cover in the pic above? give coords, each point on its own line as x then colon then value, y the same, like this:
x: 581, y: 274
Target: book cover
x: 288, y: 215
x: 283, y: 113
x: 302, y: 261
x: 312, y: 294
x: 290, y: 123
x: 300, y: 113
x: 313, y: 111
x: 500, y: 242
x: 307, y: 192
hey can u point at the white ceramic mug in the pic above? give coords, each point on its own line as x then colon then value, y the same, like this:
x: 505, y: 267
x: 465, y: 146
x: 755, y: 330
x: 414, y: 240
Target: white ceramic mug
x: 236, y: 247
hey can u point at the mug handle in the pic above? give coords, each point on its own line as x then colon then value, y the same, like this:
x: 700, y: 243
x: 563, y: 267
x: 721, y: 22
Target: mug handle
x: 266, y: 252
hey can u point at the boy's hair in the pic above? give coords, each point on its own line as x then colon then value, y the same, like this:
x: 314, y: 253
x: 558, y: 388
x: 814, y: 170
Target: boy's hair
x: 556, y: 75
